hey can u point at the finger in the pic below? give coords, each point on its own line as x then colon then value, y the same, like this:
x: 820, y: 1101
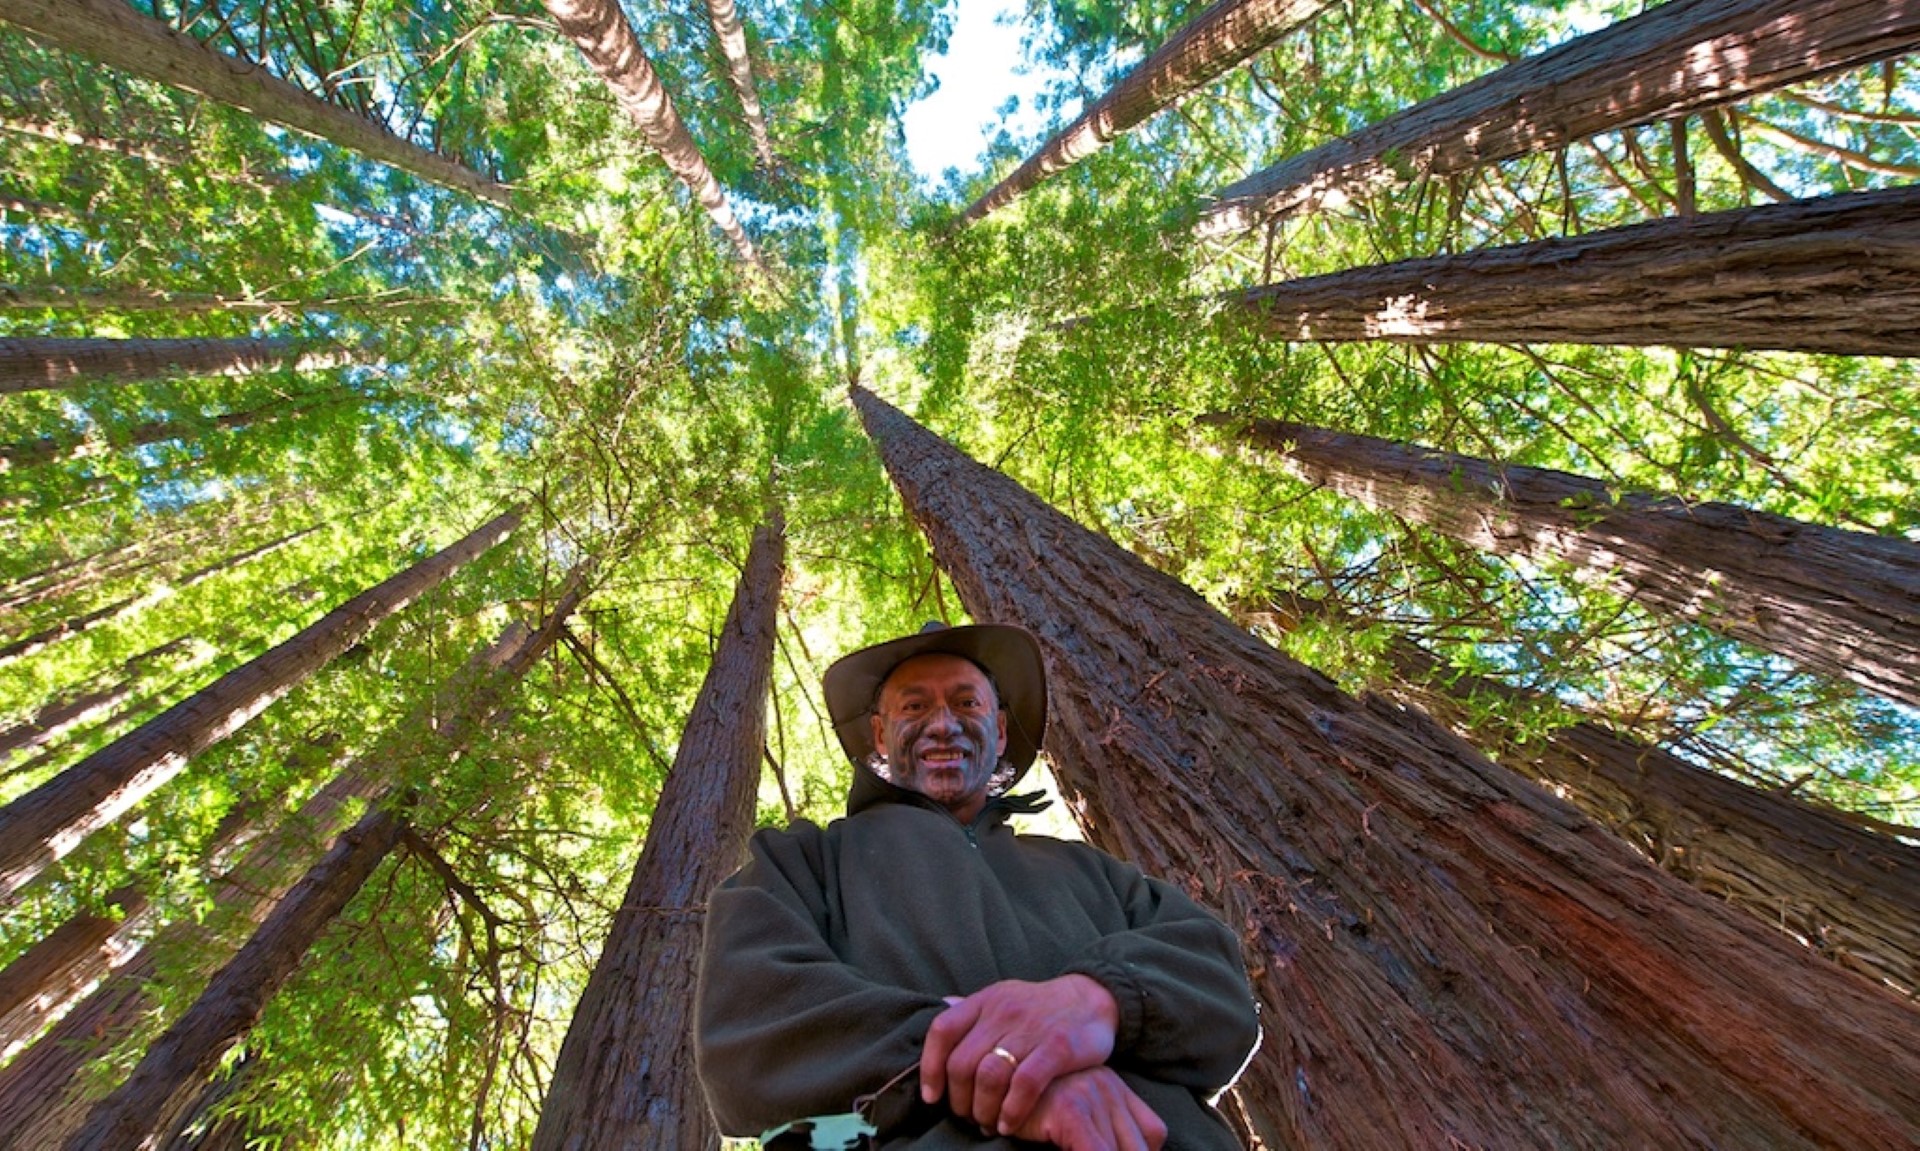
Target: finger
x: 991, y: 1077
x: 1036, y: 1073
x: 948, y: 1029
x: 1153, y: 1131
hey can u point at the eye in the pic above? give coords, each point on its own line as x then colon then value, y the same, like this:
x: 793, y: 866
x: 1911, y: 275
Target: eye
x: 912, y: 706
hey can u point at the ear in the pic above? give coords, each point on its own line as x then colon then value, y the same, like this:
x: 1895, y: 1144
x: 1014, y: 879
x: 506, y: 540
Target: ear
x: 880, y: 733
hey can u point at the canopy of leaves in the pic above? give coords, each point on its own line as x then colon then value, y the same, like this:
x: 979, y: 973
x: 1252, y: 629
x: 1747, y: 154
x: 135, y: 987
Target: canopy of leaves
x: 594, y: 354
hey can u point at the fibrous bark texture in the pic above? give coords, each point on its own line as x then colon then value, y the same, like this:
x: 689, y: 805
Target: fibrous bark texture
x: 40, y: 363
x: 1839, y: 274
x: 49, y: 821
x: 1212, y: 44
x: 1674, y: 59
x: 607, y: 40
x: 624, y: 1077
x: 727, y: 29
x: 114, y: 33
x: 1444, y: 953
x: 1845, y: 604
x: 1836, y: 883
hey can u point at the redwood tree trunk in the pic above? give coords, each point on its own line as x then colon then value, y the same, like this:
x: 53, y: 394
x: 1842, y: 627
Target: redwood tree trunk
x: 85, y: 622
x: 1845, y: 604
x: 49, y: 821
x: 177, y: 1065
x: 624, y: 1077
x: 50, y: 449
x: 1677, y: 58
x: 1849, y: 892
x: 607, y: 40
x: 1444, y: 954
x: 1838, y: 274
x: 114, y: 33
x: 1212, y: 44
x: 40, y: 363
x: 725, y: 17
x: 42, y: 1097
x: 45, y: 980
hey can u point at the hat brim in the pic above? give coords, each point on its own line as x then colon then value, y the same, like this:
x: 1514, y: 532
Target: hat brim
x: 1009, y: 654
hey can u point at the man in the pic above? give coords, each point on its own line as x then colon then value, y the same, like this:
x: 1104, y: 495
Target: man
x: 966, y: 987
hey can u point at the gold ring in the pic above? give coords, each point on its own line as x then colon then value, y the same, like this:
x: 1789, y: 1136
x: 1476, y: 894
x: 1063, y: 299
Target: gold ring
x: 1012, y: 1059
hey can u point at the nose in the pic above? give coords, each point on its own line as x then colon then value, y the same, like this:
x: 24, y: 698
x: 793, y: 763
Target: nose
x: 943, y: 721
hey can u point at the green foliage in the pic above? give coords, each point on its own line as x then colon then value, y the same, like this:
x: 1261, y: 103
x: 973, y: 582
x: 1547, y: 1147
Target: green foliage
x: 595, y: 355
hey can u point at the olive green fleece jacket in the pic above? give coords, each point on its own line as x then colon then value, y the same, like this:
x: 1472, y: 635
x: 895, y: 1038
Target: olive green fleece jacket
x: 828, y: 955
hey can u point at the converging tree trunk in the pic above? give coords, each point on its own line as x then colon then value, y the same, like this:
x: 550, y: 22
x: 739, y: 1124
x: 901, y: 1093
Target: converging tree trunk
x: 608, y: 42
x: 1211, y: 45
x: 175, y: 1068
x: 727, y: 29
x: 1845, y: 604
x: 1672, y: 60
x: 52, y: 449
x: 1849, y: 892
x: 1839, y: 274
x: 116, y: 34
x: 86, y: 621
x: 1444, y: 953
x: 49, y: 821
x: 42, y: 1097
x: 43, y: 363
x: 624, y: 1077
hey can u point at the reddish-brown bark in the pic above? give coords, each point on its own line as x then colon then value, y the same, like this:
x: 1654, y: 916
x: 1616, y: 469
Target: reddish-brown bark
x: 1672, y: 60
x: 1211, y: 45
x: 1839, y: 274
x: 608, y: 42
x: 115, y: 33
x: 1444, y: 953
x: 174, y: 1070
x: 1842, y: 886
x: 1843, y: 603
x: 624, y: 1077
x: 45, y: 980
x: 49, y: 821
x: 39, y: 363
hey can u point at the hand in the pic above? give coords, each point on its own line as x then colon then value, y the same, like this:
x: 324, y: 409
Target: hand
x: 1093, y: 1110
x: 1050, y: 1029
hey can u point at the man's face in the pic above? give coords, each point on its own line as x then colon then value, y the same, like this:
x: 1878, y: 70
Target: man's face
x: 940, y: 728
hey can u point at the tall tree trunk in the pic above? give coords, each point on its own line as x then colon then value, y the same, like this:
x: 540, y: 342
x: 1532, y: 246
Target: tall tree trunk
x: 51, y: 449
x: 1839, y: 274
x: 49, y: 821
x: 87, y: 621
x: 1676, y: 59
x: 38, y: 297
x: 725, y: 18
x: 41, y: 1099
x: 176, y: 1067
x: 43, y: 363
x: 624, y: 1077
x: 1845, y: 604
x: 114, y: 33
x: 1227, y: 34
x: 45, y: 980
x: 601, y: 30
x: 1444, y: 954
x: 1848, y: 891
x: 61, y: 716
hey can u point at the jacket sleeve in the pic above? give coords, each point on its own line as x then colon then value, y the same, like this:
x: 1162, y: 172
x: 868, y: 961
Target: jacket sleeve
x: 1187, y: 1016
x: 782, y: 1029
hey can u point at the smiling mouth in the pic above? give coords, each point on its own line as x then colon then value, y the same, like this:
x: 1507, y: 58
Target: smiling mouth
x: 944, y: 757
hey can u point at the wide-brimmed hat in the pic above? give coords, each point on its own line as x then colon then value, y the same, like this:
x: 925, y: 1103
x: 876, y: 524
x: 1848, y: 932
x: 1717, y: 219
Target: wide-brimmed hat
x: 1009, y: 655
